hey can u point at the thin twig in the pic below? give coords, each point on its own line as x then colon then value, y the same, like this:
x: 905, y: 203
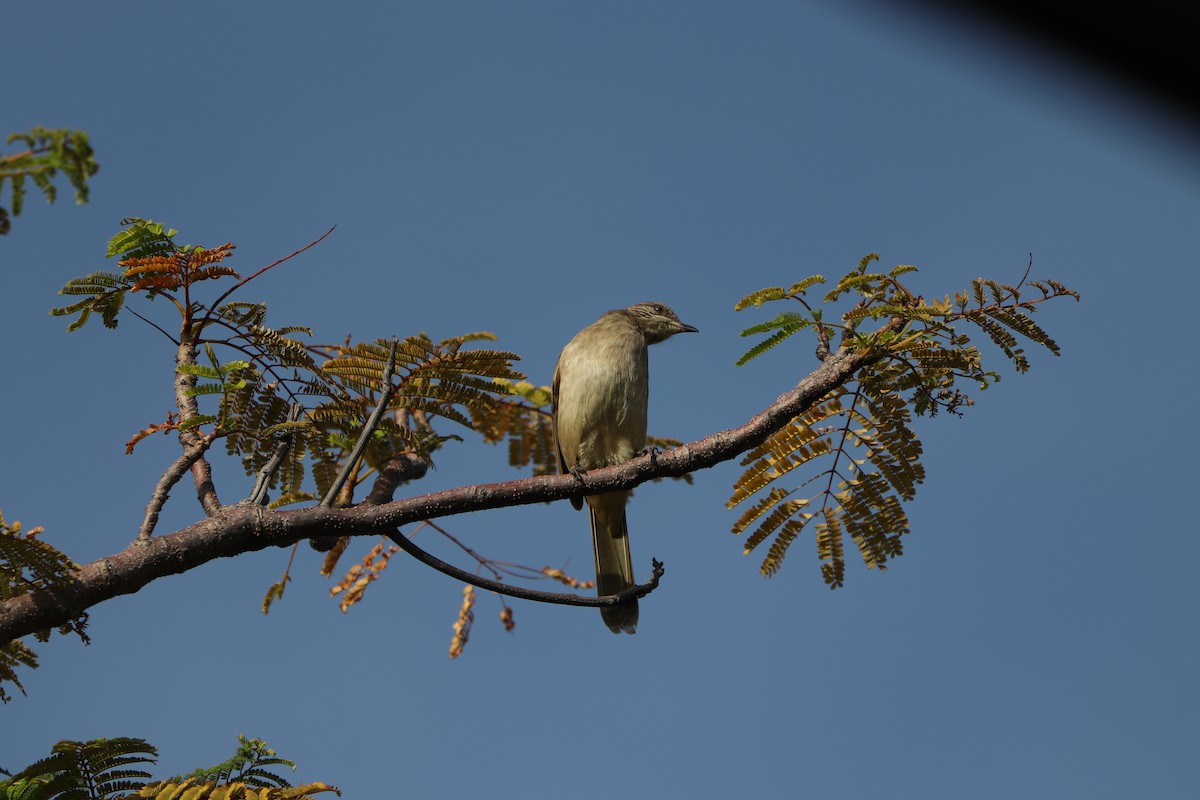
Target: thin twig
x: 213, y: 307
x: 497, y: 567
x: 483, y: 562
x: 152, y: 325
x: 11, y: 157
x: 1024, y: 277
x: 558, y: 598
x: 258, y: 495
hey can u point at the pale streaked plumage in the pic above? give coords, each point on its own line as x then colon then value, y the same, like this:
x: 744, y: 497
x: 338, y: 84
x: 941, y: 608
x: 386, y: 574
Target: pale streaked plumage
x: 601, y: 394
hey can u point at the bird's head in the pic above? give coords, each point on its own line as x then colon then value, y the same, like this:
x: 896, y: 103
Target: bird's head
x: 657, y: 321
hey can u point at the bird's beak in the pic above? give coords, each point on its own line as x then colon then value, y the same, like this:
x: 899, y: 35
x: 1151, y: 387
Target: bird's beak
x: 687, y: 328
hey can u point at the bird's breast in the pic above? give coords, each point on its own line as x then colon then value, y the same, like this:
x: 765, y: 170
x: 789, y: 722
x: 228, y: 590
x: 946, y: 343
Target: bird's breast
x: 604, y: 385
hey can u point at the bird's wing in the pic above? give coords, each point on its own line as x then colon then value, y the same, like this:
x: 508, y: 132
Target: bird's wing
x: 562, y: 462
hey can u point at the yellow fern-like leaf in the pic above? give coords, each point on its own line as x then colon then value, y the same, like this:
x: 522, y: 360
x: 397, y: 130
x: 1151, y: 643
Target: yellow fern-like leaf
x: 755, y: 511
x: 830, y: 551
x: 792, y: 446
x: 769, y: 469
x: 779, y: 547
x: 462, y: 625
x: 354, y: 583
x: 191, y: 789
x: 782, y: 513
x: 874, y: 519
x: 799, y: 431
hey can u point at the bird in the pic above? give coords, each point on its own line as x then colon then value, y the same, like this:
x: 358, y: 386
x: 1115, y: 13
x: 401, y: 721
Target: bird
x: 599, y: 404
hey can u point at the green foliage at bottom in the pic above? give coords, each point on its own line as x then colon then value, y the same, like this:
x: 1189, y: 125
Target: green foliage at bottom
x: 91, y: 770
x: 104, y: 768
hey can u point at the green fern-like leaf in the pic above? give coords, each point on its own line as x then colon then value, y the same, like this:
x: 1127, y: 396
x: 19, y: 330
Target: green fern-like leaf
x: 106, y: 295
x: 800, y: 287
x: 1004, y: 340
x: 324, y: 466
x: 202, y: 389
x: 218, y: 372
x: 27, y: 563
x: 433, y: 378
x: 196, y: 421
x: 92, y: 770
x: 282, y: 349
x: 771, y: 293
x: 788, y: 320
x: 13, y: 656
x: 47, y: 152
x: 780, y: 336
x: 249, y: 765
x: 865, y: 284
x: 1024, y: 325
x: 242, y: 315
x: 756, y: 299
x: 856, y: 279
x: 17, y: 189
x: 142, y: 238
x: 152, y: 262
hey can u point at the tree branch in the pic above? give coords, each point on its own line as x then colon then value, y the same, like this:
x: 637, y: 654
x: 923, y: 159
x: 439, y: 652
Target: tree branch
x: 169, y: 478
x: 191, y: 438
x: 234, y: 530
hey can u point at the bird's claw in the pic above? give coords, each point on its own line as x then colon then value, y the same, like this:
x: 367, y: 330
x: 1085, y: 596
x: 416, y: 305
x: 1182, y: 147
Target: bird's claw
x: 652, y: 451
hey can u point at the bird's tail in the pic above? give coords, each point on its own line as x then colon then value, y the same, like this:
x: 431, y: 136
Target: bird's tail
x: 614, y: 567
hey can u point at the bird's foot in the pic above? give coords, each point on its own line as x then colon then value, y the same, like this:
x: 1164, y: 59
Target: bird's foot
x: 652, y: 451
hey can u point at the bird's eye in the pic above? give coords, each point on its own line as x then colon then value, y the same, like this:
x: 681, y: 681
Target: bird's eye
x: 659, y: 308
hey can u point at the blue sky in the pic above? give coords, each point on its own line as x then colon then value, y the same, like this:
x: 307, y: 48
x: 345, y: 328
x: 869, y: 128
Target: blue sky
x: 521, y: 168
